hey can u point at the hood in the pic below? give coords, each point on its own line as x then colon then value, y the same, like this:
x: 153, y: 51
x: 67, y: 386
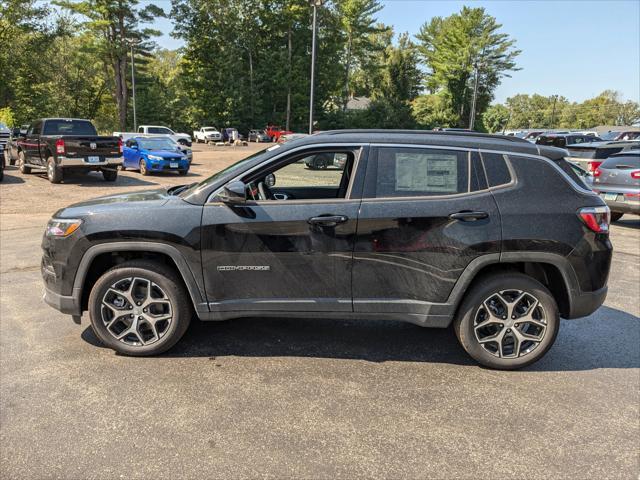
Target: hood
x: 165, y: 153
x: 136, y: 200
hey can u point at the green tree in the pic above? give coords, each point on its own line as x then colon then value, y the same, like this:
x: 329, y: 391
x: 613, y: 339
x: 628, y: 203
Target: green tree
x: 114, y: 25
x: 461, y: 46
x: 496, y: 118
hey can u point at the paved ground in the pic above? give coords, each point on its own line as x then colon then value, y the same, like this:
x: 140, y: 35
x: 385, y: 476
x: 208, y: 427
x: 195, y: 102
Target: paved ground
x: 302, y: 398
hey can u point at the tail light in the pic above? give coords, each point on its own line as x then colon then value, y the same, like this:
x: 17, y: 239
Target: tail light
x: 60, y: 146
x: 597, y: 219
x: 597, y: 172
x: 635, y: 174
x: 120, y: 145
x: 593, y: 166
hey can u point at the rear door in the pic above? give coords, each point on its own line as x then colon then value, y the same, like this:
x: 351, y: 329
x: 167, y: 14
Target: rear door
x: 425, y: 215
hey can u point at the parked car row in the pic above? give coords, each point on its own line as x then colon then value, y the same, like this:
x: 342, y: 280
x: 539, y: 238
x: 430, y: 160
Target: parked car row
x: 60, y: 146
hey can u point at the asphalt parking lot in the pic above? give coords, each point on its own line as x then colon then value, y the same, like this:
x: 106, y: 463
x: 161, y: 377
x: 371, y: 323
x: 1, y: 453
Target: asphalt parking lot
x: 281, y: 398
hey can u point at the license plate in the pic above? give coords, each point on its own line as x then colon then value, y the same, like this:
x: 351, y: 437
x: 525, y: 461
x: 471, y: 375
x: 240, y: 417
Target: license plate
x: 93, y: 159
x: 611, y: 196
x: 173, y: 164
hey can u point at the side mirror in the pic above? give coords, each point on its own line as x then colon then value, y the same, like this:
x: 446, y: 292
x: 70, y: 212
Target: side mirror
x: 233, y: 193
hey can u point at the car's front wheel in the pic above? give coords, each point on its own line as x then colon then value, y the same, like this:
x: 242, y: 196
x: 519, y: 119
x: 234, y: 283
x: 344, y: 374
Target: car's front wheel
x: 143, y: 167
x: 507, y: 321
x: 139, y: 308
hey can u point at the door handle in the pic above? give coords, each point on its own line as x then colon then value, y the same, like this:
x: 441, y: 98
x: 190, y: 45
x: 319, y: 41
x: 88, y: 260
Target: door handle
x: 327, y: 220
x: 468, y: 216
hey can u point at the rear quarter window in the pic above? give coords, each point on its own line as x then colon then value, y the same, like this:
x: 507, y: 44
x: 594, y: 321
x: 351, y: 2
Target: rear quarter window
x: 496, y: 168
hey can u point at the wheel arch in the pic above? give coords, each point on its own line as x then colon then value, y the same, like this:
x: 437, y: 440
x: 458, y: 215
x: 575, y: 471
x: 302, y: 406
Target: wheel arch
x: 551, y: 270
x: 100, y: 258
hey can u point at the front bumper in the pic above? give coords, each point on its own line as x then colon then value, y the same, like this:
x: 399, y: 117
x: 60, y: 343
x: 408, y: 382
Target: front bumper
x: 69, y: 305
x: 67, y: 162
x: 165, y: 165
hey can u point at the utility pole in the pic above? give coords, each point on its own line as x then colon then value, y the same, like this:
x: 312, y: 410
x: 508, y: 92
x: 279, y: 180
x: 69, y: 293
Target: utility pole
x: 133, y: 90
x: 553, y: 112
x: 315, y: 4
x: 472, y: 117
x: 132, y: 43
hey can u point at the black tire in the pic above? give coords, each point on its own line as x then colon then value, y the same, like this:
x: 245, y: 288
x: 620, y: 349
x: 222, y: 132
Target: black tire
x: 165, y: 278
x: 506, y: 284
x: 24, y: 169
x: 110, y: 175
x: 615, y: 216
x: 54, y: 172
x: 143, y: 168
x: 183, y: 172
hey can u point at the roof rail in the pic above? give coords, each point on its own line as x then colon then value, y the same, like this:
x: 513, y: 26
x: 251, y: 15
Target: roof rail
x: 425, y: 132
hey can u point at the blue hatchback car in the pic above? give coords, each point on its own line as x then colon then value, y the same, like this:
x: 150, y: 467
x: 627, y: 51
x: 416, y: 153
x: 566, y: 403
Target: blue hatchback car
x: 154, y: 154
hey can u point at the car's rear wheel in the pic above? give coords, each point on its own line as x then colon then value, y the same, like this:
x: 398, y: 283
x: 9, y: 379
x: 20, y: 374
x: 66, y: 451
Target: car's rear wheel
x: 139, y: 308
x: 54, y: 172
x: 22, y: 166
x: 507, y: 321
x: 110, y: 175
x: 615, y: 216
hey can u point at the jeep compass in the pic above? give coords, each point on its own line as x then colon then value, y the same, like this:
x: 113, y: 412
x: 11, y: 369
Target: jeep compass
x: 492, y: 235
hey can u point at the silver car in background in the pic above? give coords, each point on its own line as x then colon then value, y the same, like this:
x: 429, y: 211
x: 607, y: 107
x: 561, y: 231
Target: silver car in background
x: 617, y: 180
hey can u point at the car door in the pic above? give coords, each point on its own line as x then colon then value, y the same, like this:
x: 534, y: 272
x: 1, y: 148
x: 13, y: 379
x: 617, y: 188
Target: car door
x: 425, y: 215
x: 30, y: 144
x: 131, y: 154
x: 290, y: 253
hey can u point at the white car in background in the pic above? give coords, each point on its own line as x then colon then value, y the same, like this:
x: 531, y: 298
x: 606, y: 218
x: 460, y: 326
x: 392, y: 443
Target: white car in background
x: 207, y: 134
x: 154, y: 131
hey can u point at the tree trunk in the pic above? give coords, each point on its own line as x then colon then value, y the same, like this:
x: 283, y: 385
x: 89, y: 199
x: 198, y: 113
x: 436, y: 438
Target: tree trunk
x: 290, y: 47
x: 345, y: 99
x: 251, y: 93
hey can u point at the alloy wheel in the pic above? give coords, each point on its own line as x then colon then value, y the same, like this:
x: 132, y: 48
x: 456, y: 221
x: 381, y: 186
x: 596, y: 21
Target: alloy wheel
x: 136, y: 311
x: 510, y: 324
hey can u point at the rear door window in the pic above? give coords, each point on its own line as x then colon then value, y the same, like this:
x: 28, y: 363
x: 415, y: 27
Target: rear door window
x: 417, y: 172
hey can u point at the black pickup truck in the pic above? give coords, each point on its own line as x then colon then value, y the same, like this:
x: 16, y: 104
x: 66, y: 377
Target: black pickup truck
x: 62, y: 144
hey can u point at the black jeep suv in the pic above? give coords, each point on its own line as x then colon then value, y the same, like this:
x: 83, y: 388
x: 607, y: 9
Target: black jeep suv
x: 492, y: 234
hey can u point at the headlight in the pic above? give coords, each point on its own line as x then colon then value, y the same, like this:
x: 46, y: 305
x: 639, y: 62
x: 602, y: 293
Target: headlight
x: 154, y: 157
x: 58, y: 227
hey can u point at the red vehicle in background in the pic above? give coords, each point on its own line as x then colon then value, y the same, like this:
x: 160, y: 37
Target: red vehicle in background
x: 274, y: 132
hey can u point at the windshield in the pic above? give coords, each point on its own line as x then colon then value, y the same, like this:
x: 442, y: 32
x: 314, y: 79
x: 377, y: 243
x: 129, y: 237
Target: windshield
x: 609, y: 135
x: 230, y: 170
x: 209, y: 129
x: 157, y: 143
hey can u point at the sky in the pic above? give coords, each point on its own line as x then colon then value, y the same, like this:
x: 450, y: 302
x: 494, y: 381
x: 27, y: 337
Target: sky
x: 575, y: 49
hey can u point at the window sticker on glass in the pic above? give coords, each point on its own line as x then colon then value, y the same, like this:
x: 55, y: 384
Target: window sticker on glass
x: 426, y: 172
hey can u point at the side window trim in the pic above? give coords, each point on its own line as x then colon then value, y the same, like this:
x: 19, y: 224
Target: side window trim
x: 354, y: 190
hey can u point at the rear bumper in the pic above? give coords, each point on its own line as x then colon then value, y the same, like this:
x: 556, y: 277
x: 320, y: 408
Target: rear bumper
x: 67, y: 162
x: 585, y: 303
